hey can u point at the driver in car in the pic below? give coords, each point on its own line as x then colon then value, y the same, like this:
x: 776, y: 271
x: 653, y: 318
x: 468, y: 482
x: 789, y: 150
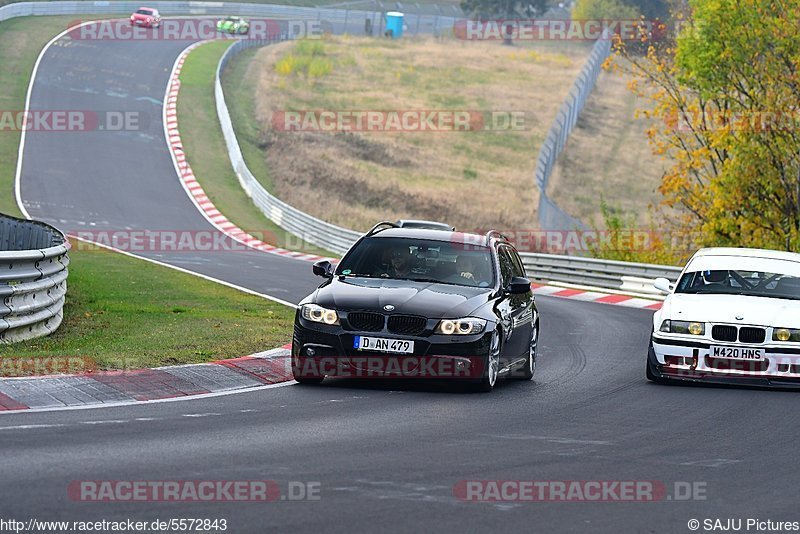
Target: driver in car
x: 716, y: 278
x: 400, y: 263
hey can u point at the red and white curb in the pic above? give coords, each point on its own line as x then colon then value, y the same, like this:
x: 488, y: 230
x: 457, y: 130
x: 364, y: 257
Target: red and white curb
x: 160, y: 384
x: 215, y: 217
x: 590, y: 295
x: 121, y: 388
x: 190, y: 183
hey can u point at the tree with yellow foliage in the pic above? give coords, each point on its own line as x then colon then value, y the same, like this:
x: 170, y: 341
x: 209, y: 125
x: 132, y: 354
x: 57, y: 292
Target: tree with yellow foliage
x: 725, y: 90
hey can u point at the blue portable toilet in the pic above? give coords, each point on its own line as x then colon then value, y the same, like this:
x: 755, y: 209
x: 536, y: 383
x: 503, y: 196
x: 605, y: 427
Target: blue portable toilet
x: 394, y: 23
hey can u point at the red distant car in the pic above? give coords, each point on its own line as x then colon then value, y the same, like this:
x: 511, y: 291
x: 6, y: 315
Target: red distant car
x: 147, y: 17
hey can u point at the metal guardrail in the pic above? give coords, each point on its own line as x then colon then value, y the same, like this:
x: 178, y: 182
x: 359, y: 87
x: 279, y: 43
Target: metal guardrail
x: 617, y: 275
x: 609, y: 274
x: 599, y: 273
x: 338, y: 20
x: 551, y: 217
x: 311, y: 229
x: 33, y: 278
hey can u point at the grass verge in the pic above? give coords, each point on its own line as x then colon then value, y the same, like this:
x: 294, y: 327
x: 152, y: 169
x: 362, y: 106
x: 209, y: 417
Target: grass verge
x: 126, y: 313
x: 206, y: 152
x: 473, y: 179
x: 608, y: 157
x: 122, y: 312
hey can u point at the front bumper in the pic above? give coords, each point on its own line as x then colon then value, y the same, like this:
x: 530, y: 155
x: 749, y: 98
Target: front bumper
x: 322, y: 350
x: 683, y: 359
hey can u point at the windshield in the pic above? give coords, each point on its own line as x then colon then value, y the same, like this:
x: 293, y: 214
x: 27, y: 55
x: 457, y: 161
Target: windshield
x: 421, y: 260
x: 735, y: 282
x: 144, y: 12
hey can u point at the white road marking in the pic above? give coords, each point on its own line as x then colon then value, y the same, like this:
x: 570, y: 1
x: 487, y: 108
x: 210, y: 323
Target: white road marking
x: 551, y: 439
x: 713, y: 462
x: 105, y: 422
x: 29, y: 427
x: 157, y: 401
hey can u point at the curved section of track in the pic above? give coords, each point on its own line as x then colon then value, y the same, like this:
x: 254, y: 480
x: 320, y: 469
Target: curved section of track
x: 124, y: 180
x: 387, y: 455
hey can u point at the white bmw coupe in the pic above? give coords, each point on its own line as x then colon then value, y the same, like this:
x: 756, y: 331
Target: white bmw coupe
x: 732, y: 317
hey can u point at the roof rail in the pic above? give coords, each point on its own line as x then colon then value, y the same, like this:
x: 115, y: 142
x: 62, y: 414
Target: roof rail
x: 431, y: 225
x: 378, y: 227
x: 495, y: 233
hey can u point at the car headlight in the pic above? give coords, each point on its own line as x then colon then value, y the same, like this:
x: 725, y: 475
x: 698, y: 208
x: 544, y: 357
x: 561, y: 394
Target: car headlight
x: 683, y: 327
x: 786, y: 334
x: 318, y: 314
x: 465, y: 326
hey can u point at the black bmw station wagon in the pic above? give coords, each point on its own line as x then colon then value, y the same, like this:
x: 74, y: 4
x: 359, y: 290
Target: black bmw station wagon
x: 419, y: 303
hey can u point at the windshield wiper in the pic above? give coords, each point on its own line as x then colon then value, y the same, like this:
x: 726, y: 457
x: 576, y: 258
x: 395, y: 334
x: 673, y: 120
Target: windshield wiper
x: 430, y: 281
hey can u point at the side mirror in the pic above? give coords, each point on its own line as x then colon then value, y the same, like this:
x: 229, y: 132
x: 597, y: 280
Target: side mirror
x: 663, y: 285
x: 518, y: 286
x: 323, y: 268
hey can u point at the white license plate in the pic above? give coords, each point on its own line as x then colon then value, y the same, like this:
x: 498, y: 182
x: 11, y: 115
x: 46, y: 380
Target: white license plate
x: 381, y: 344
x: 737, y: 353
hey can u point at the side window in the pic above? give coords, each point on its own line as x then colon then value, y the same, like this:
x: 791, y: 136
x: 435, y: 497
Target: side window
x: 519, y: 268
x: 506, y: 265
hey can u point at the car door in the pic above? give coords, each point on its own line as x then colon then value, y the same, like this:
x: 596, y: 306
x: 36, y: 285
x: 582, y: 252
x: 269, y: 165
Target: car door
x: 525, y: 313
x: 509, y: 308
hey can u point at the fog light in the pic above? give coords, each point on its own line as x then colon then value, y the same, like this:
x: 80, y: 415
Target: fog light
x: 310, y: 351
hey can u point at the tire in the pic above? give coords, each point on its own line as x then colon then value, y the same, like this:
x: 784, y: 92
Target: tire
x: 528, y: 370
x: 490, y: 375
x: 304, y: 377
x: 308, y: 380
x: 650, y: 372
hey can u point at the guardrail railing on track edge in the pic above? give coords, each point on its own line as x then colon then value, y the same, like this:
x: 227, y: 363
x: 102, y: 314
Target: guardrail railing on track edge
x: 588, y: 271
x: 616, y: 275
x: 33, y: 278
x: 311, y: 229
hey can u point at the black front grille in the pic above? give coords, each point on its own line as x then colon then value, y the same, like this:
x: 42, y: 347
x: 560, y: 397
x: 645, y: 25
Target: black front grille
x: 365, y: 322
x: 752, y: 335
x: 409, y: 325
x: 723, y: 332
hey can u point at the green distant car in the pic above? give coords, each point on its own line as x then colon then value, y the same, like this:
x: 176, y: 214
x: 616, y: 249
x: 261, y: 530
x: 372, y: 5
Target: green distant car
x: 234, y: 25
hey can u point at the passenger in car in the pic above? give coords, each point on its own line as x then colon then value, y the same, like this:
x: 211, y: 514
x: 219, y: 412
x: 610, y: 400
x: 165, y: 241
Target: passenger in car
x: 469, y: 271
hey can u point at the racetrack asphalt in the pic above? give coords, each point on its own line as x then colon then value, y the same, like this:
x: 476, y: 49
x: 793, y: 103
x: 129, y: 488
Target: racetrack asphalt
x: 387, y: 455
x: 124, y: 180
